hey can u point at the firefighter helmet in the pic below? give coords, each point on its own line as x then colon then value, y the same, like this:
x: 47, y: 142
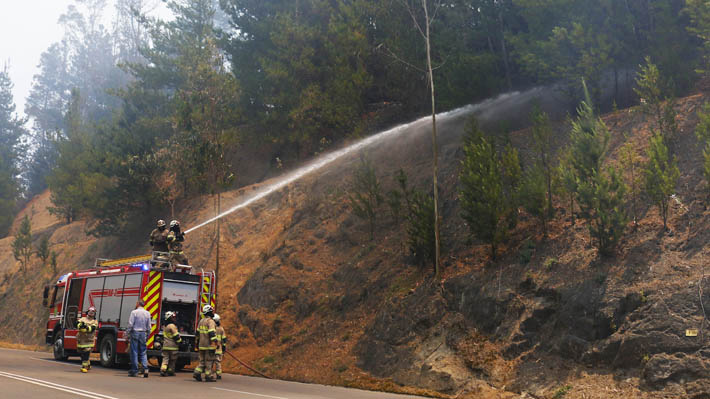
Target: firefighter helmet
x: 216, y: 318
x: 207, y: 309
x: 161, y: 223
x: 174, y: 223
x: 91, y: 311
x: 170, y: 314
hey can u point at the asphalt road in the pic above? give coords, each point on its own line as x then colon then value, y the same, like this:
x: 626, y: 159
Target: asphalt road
x: 26, y: 374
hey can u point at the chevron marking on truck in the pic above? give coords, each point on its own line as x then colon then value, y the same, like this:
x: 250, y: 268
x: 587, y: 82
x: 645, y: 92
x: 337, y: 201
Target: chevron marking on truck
x: 151, y: 297
x: 205, y: 291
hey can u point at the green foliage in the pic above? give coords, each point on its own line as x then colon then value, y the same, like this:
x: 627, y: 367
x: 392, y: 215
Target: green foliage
x: 542, y: 138
x: 661, y: 175
x: 562, y: 392
x: 533, y: 195
x: 22, y: 244
x: 365, y: 195
x: 488, y: 187
x: 631, y: 164
x: 603, y: 198
x: 600, y: 192
x: 53, y: 261
x: 699, y: 13
x: 526, y: 251
x: 11, y: 129
x: 420, y: 227
x: 653, y: 92
x: 43, y: 249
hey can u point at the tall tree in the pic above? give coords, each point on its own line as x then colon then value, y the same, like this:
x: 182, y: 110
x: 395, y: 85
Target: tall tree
x: 600, y: 190
x: 661, y: 175
x: 11, y: 130
x: 488, y: 187
x: 22, y: 244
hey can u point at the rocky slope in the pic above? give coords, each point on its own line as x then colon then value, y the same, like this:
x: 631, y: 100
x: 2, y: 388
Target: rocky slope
x: 307, y: 296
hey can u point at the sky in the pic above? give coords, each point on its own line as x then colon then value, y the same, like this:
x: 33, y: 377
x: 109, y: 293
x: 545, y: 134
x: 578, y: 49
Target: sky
x: 27, y: 28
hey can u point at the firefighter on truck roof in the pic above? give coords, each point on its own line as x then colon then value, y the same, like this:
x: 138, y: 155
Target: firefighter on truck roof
x: 87, y: 326
x: 207, y: 344
x: 159, y: 237
x: 175, y: 239
x: 171, y: 342
x: 221, y: 342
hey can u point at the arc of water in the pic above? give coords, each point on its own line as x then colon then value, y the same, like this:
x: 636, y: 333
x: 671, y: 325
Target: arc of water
x: 333, y: 156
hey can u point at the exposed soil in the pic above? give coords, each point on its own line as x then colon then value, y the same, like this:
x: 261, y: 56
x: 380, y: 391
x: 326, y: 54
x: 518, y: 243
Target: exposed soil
x: 306, y: 296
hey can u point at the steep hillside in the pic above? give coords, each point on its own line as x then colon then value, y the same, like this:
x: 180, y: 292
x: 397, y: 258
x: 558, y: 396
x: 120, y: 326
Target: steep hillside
x: 307, y: 296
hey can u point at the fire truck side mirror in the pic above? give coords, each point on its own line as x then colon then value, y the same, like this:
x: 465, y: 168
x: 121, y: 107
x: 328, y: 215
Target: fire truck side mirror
x: 45, y: 295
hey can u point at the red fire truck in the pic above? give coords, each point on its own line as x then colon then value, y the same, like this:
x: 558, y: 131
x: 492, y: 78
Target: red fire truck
x: 113, y: 287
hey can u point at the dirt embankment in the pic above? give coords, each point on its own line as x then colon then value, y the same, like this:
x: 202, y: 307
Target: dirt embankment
x: 305, y: 295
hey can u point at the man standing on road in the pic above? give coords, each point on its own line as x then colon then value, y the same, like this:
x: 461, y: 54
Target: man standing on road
x: 85, y: 338
x: 207, y: 344
x: 138, y: 329
x: 171, y: 340
x: 221, y: 342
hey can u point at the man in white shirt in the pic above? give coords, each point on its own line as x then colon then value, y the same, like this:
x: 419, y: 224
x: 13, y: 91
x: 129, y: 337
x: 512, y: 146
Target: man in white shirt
x: 138, y: 329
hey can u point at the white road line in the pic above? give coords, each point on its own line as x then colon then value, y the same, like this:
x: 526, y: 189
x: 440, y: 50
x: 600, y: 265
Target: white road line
x: 56, y: 362
x: 48, y: 384
x: 250, y: 393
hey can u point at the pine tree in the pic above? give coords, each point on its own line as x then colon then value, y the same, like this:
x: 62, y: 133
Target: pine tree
x: 631, y: 163
x: 22, y: 244
x: 542, y: 137
x: 599, y: 191
x: 655, y: 99
x: 43, y: 249
x: 11, y: 130
x: 533, y: 194
x: 661, y: 175
x: 486, y: 194
x: 365, y: 195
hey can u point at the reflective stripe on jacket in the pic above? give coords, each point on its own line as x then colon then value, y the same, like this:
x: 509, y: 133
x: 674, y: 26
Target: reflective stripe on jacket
x: 171, y: 338
x: 207, y: 334
x: 87, y: 331
x: 221, y: 336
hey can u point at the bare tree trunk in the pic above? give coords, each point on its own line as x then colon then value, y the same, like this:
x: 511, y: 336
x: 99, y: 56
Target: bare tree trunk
x: 434, y: 143
x: 216, y: 267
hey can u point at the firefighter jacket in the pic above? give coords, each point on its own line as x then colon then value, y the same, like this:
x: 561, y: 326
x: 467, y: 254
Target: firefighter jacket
x: 159, y: 240
x: 87, y: 332
x: 207, y: 335
x: 221, y: 339
x: 175, y: 242
x: 171, y: 338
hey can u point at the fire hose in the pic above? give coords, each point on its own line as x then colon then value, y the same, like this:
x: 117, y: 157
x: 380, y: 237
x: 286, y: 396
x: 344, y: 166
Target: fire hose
x: 246, y: 365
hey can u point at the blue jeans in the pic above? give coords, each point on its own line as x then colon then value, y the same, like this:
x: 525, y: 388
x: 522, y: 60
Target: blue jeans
x: 138, y: 351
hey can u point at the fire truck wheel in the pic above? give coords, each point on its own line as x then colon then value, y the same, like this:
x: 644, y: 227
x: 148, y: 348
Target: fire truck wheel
x: 107, y: 350
x: 58, y: 347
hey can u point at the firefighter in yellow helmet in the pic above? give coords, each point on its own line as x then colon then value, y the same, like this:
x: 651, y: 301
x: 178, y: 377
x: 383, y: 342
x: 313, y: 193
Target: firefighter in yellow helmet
x: 221, y: 342
x: 207, y: 345
x: 175, y: 239
x: 87, y: 326
x: 171, y: 342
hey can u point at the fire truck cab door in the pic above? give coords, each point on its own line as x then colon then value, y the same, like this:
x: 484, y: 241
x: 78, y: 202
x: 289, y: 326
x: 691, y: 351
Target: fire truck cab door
x: 72, y: 313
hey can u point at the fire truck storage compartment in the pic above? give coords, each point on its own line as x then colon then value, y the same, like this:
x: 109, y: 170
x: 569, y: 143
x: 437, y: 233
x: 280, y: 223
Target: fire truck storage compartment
x: 181, y: 294
x: 114, y: 297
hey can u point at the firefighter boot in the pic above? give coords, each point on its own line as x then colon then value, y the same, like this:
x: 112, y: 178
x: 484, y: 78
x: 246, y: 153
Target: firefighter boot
x: 163, y: 372
x: 171, y: 373
x: 197, y: 374
x: 85, y: 367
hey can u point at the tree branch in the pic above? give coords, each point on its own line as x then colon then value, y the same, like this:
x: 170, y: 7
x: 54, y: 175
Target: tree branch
x: 398, y: 59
